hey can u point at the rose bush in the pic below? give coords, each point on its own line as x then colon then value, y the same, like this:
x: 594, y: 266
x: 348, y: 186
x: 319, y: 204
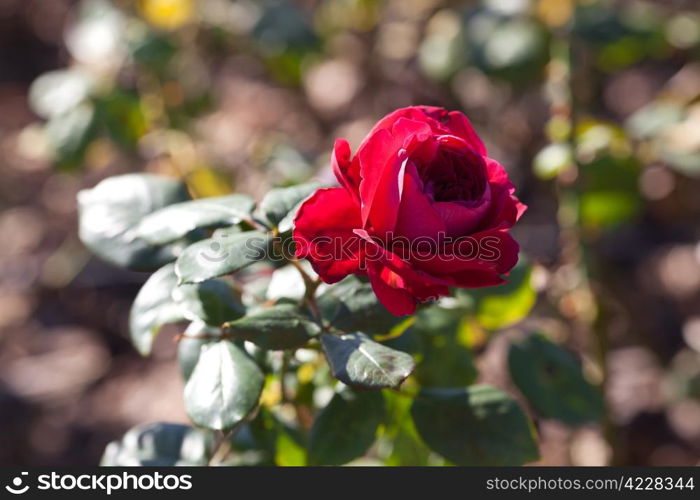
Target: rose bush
x: 420, y: 209
x: 422, y: 179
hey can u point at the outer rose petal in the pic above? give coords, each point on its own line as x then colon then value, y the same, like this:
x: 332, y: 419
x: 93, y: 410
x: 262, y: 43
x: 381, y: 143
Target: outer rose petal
x: 346, y: 171
x: 505, y: 208
x: 392, y: 278
x: 398, y: 301
x: 323, y: 233
x: 440, y: 121
x: 492, y: 251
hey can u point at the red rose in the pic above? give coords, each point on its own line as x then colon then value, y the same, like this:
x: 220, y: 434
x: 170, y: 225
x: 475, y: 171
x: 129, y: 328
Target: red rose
x: 420, y: 208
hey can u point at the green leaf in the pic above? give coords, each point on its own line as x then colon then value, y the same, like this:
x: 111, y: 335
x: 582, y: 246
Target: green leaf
x: 504, y: 305
x: 609, y: 191
x: 289, y: 452
x: 70, y: 134
x: 175, y: 221
x: 190, y: 345
x: 121, y: 115
x: 477, y: 425
x: 357, y: 360
x: 159, y: 445
x: 153, y: 308
x: 224, y: 387
x: 279, y: 202
x: 110, y: 212
x: 226, y: 254
x: 352, y: 305
x: 211, y: 301
x: 283, y: 326
x: 346, y: 428
x: 444, y: 362
x: 552, y: 382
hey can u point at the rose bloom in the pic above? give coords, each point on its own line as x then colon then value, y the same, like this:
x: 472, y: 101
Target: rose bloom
x: 421, y: 208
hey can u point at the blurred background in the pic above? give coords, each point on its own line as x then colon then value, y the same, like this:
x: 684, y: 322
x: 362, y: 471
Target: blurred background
x: 592, y: 106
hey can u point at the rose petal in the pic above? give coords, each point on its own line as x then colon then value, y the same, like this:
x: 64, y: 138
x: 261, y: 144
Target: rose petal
x: 323, y: 233
x: 417, y: 216
x: 346, y: 171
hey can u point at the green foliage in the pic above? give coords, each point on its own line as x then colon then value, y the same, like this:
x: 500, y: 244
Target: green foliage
x: 159, y: 445
x: 153, y: 308
x: 283, y: 326
x: 280, y: 202
x: 346, y: 428
x: 210, y: 301
x: 552, y: 382
x: 224, y: 386
x: 477, y: 425
x: 215, y: 257
x: 110, y: 211
x: 175, y: 221
x: 609, y: 193
x: 358, y: 361
x: 444, y: 361
x: 505, y: 305
x: 190, y: 345
x: 351, y: 305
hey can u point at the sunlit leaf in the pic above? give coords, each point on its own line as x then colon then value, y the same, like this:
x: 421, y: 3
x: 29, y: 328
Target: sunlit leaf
x: 224, y: 387
x: 70, y: 134
x: 226, y: 254
x: 279, y: 202
x: 153, y: 308
x: 58, y: 92
x: 357, y: 360
x: 190, y: 344
x: 504, y: 305
x: 160, y: 445
x: 110, y: 212
x: 175, y: 221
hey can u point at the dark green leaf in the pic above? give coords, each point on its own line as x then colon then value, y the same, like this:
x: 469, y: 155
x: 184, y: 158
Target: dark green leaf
x: 190, y: 345
x: 444, y: 361
x: 210, y: 301
x: 110, y: 212
x: 478, y: 425
x: 224, y: 387
x: 175, y: 221
x: 279, y: 202
x: 283, y: 326
x: 352, y: 305
x: 357, y: 360
x: 346, y: 428
x: 552, y: 381
x: 226, y: 254
x: 160, y: 445
x: 153, y: 308
x: 121, y: 115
